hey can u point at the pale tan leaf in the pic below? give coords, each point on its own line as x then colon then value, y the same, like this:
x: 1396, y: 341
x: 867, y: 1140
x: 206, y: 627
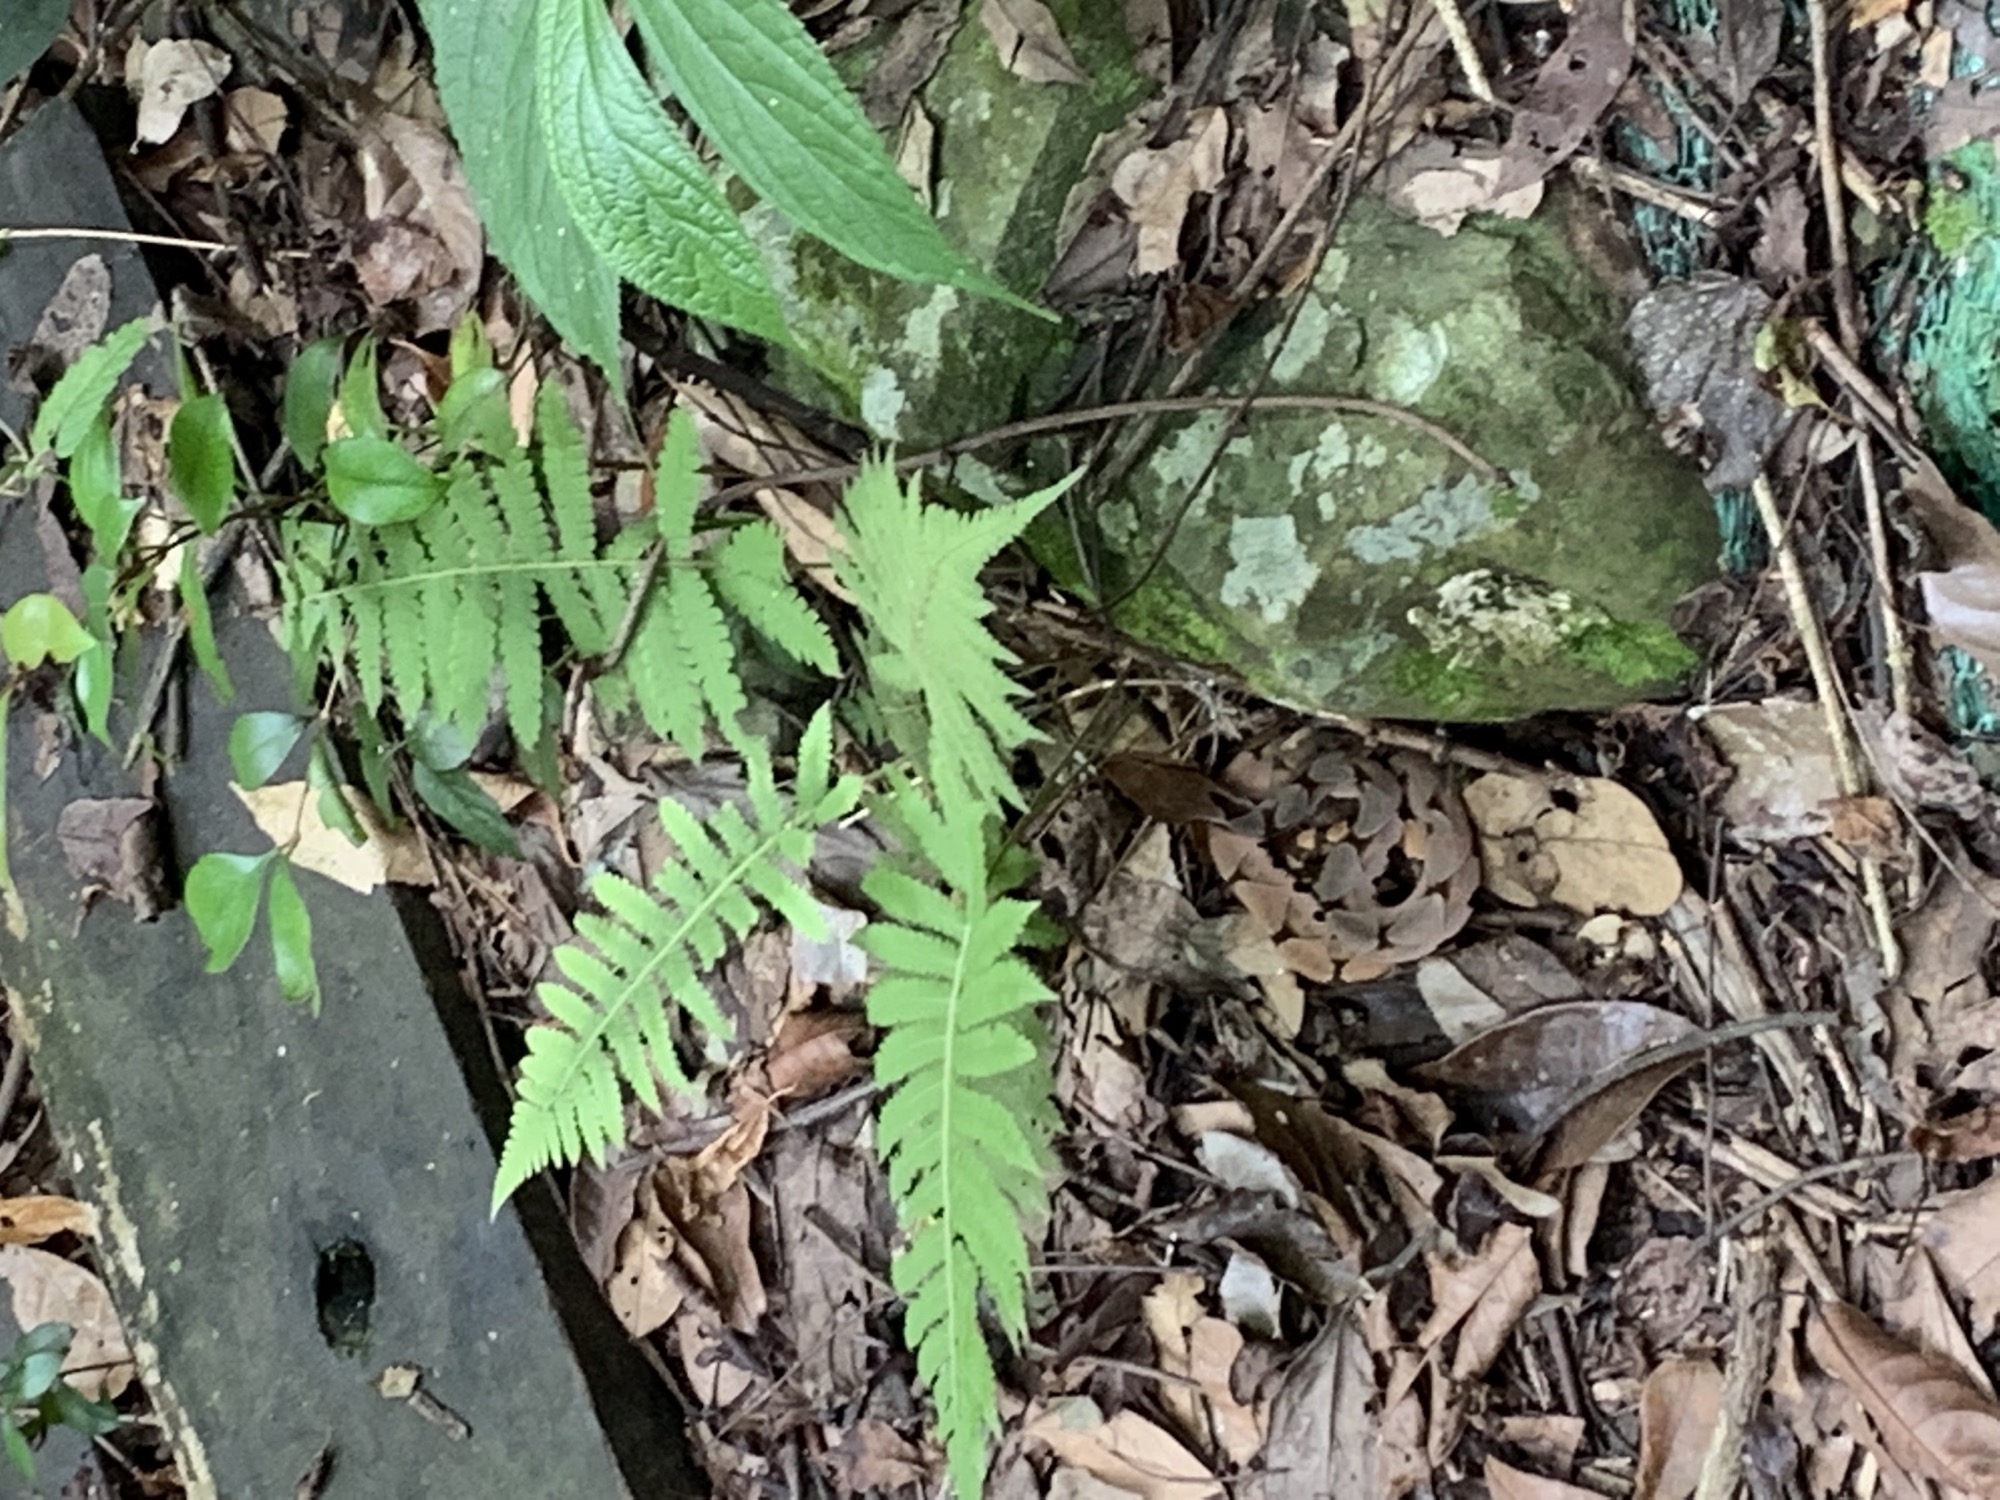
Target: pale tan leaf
x: 1324, y: 1436
x: 1678, y: 1412
x: 1603, y: 851
x: 48, y: 1289
x: 167, y: 77
x: 1029, y: 42
x: 1930, y: 1418
x: 40, y: 1216
x: 1156, y: 184
x: 1482, y: 1295
x: 1963, y: 1237
x: 1127, y: 1451
x: 1504, y: 1482
x: 289, y: 810
x: 1910, y: 1299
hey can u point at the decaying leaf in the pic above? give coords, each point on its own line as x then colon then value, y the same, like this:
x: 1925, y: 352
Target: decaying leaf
x: 166, y: 77
x: 1029, y: 42
x: 1125, y: 1450
x: 1970, y: 1135
x: 1439, y: 183
x: 1323, y: 1437
x: 1570, y: 93
x: 1678, y: 1412
x: 40, y: 1216
x: 1929, y: 1417
x: 48, y: 1289
x: 1480, y: 1296
x: 1578, y: 841
x: 1505, y: 1482
x: 1200, y: 1349
x: 1157, y: 184
x: 289, y: 810
x: 1963, y: 1237
x: 112, y: 846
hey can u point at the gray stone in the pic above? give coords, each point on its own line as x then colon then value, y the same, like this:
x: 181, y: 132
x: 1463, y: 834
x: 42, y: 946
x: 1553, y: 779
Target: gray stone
x: 1354, y: 563
x: 918, y: 365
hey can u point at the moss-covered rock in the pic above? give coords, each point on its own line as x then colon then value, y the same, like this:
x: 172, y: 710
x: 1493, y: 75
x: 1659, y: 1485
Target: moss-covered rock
x: 917, y: 365
x: 1355, y: 563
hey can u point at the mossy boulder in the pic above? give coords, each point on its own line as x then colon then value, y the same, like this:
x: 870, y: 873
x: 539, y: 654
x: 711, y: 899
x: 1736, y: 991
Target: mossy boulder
x: 918, y: 365
x: 1355, y: 563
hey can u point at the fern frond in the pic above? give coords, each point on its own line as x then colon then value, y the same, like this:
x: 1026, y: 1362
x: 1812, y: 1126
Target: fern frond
x: 914, y: 570
x: 750, y: 574
x: 589, y: 604
x: 966, y: 1126
x: 648, y: 951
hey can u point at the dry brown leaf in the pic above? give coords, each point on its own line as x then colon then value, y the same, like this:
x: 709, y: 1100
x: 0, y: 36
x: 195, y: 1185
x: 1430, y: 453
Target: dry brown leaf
x: 1505, y: 1482
x: 1439, y: 184
x: 1480, y: 1295
x: 646, y: 1287
x: 48, y: 1289
x: 1784, y: 763
x: 1570, y: 93
x: 289, y: 810
x: 41, y: 1216
x: 872, y: 1458
x: 1199, y: 1348
x: 1155, y: 185
x: 1973, y: 1135
x: 1324, y: 1437
x: 422, y: 242
x: 1930, y: 1418
x: 1910, y: 1298
x: 1578, y: 841
x: 1029, y: 42
x: 1678, y: 1412
x: 166, y: 77
x: 1963, y: 1237
x: 255, y: 120
x: 1548, y: 1441
x: 1127, y: 1450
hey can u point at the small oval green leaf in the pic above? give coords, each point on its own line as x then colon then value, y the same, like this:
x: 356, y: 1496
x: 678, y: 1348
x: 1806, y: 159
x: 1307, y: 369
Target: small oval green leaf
x: 638, y: 191
x: 291, y: 939
x: 259, y: 743
x: 39, y: 628
x: 375, y: 482
x: 222, y: 894
x: 97, y: 488
x: 201, y: 465
x: 309, y: 388
x: 361, y: 395
x: 467, y: 807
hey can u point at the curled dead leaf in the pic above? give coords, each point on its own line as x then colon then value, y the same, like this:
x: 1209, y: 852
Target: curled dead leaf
x: 1678, y: 1412
x: 1579, y: 841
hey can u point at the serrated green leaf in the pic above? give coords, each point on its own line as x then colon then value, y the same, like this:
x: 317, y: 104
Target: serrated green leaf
x: 29, y: 28
x: 291, y: 939
x: 222, y: 893
x: 201, y: 628
x: 97, y: 488
x: 39, y: 628
x: 309, y: 392
x: 759, y: 86
x: 377, y: 483
x: 85, y: 386
x: 201, y: 468
x: 483, y: 56
x: 638, y: 191
x: 467, y: 806
x: 259, y: 743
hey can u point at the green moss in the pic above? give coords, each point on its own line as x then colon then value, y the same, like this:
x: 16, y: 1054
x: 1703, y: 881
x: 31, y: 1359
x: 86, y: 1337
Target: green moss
x: 1161, y: 616
x: 1631, y: 655
x: 1953, y: 221
x: 1449, y: 689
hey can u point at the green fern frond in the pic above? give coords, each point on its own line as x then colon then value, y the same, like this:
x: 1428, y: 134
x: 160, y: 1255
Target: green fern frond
x: 750, y: 575
x: 647, y: 952
x: 966, y: 1126
x: 914, y: 570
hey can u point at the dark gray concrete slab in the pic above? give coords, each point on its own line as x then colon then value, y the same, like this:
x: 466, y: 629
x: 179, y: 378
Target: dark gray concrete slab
x: 262, y: 1174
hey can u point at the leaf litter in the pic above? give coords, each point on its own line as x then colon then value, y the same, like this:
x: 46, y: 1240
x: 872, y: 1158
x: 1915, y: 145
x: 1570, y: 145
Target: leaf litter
x: 1407, y: 1154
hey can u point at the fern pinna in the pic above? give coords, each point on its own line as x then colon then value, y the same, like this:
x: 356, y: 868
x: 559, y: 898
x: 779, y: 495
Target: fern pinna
x: 611, y: 1020
x: 965, y: 1127
x: 431, y: 609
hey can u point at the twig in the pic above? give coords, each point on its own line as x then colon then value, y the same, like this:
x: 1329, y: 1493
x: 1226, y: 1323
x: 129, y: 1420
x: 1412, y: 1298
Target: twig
x: 1819, y: 660
x: 1118, y: 411
x: 1751, y: 1347
x: 1464, y: 49
x: 1833, y: 199
x: 131, y: 237
x: 1825, y: 1172
x: 1603, y: 174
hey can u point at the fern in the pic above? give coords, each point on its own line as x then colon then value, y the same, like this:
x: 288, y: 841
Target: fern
x: 968, y: 1117
x: 612, y: 1019
x: 914, y: 568
x: 432, y: 608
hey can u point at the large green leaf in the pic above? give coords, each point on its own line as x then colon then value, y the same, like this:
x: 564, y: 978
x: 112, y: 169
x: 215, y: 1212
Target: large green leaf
x: 640, y: 193
x: 754, y: 79
x: 25, y: 33
x: 484, y: 59
x: 74, y: 402
x: 201, y: 467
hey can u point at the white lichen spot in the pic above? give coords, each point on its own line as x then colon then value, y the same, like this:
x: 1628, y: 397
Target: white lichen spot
x: 1370, y: 453
x: 923, y: 330
x: 1306, y: 341
x: 1119, y: 520
x: 1323, y: 503
x: 1327, y: 457
x: 1182, y: 456
x: 882, y: 402
x: 1440, y: 520
x: 1483, y: 614
x: 1268, y: 566
x: 1412, y: 357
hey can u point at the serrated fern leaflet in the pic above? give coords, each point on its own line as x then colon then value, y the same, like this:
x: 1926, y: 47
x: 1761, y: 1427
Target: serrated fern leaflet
x: 914, y: 569
x: 637, y: 966
x: 966, y: 1123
